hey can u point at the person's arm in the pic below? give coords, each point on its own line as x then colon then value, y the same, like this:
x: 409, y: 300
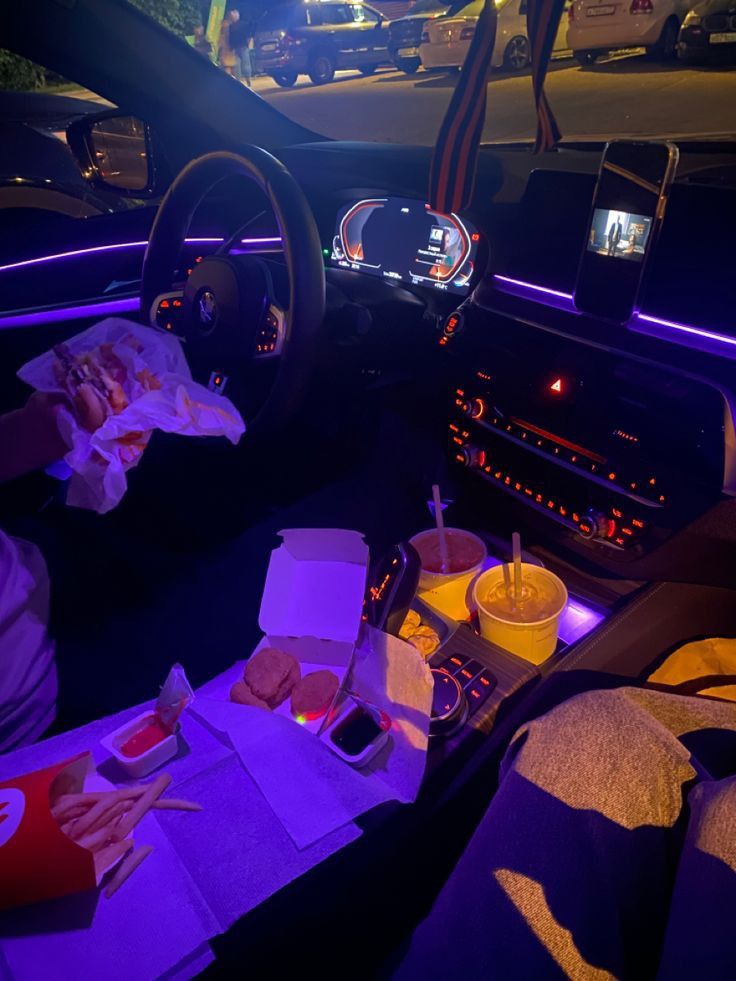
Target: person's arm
x: 29, y: 437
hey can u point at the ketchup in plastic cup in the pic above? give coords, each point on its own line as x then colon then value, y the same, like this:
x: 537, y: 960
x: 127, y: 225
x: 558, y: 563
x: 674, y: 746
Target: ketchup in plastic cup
x: 527, y: 627
x: 145, y: 738
x: 466, y: 554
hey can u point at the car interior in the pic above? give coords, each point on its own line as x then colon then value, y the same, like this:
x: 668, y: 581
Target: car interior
x: 375, y: 348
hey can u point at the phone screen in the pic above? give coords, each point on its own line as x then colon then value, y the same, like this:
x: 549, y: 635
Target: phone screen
x: 627, y: 209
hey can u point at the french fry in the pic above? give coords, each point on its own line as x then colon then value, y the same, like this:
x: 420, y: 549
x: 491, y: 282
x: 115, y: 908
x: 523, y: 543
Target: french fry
x: 174, y: 804
x: 111, y: 816
x: 127, y: 868
x: 62, y: 807
x: 84, y: 823
x: 143, y: 804
x: 104, y: 836
x: 111, y: 853
x: 70, y: 814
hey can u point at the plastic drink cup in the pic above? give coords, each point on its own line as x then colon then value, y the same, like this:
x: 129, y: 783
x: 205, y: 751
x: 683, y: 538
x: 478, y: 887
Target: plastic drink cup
x: 526, y: 626
x: 466, y: 553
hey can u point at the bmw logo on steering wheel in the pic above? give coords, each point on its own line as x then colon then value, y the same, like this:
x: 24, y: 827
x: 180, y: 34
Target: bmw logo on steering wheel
x: 206, y: 311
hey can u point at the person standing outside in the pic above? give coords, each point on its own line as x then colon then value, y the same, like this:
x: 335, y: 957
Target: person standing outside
x: 201, y: 41
x: 240, y: 42
x: 226, y: 56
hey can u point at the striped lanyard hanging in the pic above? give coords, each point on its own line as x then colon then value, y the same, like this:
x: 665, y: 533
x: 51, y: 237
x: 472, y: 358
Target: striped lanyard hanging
x: 454, y: 164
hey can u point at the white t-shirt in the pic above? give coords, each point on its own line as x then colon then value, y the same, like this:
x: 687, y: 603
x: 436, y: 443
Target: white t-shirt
x: 28, y: 682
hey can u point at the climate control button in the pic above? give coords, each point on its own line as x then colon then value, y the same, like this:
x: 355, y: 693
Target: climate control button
x: 473, y: 456
x: 595, y: 524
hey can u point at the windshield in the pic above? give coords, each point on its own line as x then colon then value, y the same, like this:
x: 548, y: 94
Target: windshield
x: 386, y: 71
x: 637, y: 67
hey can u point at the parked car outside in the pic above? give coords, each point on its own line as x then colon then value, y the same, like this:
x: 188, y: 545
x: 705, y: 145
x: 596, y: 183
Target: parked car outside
x: 446, y: 40
x: 597, y: 27
x: 317, y: 39
x: 405, y: 34
x: 708, y: 33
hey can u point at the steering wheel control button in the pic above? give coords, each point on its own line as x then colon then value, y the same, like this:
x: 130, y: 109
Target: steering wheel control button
x: 168, y: 310
x: 270, y: 336
x: 217, y: 382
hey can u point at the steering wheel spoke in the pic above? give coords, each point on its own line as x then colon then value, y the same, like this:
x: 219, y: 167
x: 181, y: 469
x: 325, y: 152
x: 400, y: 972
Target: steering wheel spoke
x: 269, y: 339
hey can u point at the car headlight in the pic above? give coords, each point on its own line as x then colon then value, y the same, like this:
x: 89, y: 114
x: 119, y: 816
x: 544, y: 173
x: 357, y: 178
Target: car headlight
x: 692, y: 19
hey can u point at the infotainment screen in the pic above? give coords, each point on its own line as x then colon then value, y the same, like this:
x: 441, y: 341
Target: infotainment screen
x: 403, y: 239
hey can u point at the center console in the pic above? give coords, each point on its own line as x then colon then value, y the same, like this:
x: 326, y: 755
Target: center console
x: 614, y: 453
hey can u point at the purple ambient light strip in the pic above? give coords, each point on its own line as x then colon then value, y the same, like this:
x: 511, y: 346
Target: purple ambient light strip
x: 533, y: 287
x: 75, y: 253
x: 687, y: 329
x: 668, y: 325
x: 126, y: 304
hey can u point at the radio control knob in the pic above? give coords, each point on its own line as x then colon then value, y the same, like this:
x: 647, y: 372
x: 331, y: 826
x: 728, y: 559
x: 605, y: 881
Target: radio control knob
x: 595, y: 524
x: 475, y: 408
x: 473, y: 456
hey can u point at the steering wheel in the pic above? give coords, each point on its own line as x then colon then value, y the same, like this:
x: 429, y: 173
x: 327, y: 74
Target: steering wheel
x: 226, y: 314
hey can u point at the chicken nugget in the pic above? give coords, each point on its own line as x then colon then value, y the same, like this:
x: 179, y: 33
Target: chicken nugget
x: 271, y: 674
x: 412, y: 620
x: 425, y: 639
x: 313, y: 695
x: 241, y: 693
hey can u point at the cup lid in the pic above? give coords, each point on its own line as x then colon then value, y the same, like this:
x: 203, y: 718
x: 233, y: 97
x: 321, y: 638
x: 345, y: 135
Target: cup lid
x: 490, y: 576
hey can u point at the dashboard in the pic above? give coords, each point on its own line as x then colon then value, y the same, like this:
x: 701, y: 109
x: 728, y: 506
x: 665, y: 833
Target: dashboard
x: 404, y: 240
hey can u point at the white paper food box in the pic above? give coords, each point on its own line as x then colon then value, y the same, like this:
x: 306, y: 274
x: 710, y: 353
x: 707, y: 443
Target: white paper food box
x: 313, y: 600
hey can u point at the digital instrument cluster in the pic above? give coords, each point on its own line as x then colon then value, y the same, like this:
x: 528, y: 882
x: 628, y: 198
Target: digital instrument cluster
x: 404, y: 240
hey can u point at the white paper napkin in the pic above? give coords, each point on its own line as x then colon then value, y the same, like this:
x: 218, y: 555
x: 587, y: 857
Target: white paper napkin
x: 311, y: 790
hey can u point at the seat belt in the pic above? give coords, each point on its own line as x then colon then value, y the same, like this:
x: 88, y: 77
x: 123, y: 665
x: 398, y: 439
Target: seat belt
x: 455, y: 159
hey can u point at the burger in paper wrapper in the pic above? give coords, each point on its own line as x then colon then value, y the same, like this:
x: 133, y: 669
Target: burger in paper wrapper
x: 123, y: 380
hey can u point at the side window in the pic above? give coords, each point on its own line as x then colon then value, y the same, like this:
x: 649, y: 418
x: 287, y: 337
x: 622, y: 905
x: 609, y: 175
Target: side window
x: 363, y: 15
x: 336, y: 13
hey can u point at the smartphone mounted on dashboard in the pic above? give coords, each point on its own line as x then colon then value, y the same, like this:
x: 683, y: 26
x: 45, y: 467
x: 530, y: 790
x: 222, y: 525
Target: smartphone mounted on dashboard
x: 628, y: 207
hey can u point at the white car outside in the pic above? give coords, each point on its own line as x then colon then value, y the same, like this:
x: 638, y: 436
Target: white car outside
x: 597, y: 27
x: 445, y: 40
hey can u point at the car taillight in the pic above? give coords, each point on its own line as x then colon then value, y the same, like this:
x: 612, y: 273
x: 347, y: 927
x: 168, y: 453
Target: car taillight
x: 641, y: 7
x: 466, y: 34
x: 287, y: 41
x: 425, y: 37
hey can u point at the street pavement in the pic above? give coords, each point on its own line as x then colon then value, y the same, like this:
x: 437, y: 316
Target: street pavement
x: 621, y: 95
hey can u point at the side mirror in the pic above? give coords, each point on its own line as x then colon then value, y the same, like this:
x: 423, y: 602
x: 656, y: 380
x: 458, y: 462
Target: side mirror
x: 114, y: 151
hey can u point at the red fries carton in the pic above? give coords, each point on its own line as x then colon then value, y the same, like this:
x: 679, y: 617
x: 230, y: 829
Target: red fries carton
x: 37, y: 860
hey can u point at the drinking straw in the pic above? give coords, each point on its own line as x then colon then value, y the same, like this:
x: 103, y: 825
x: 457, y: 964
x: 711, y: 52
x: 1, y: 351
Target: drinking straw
x: 440, y: 521
x: 507, y: 580
x: 516, y: 549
